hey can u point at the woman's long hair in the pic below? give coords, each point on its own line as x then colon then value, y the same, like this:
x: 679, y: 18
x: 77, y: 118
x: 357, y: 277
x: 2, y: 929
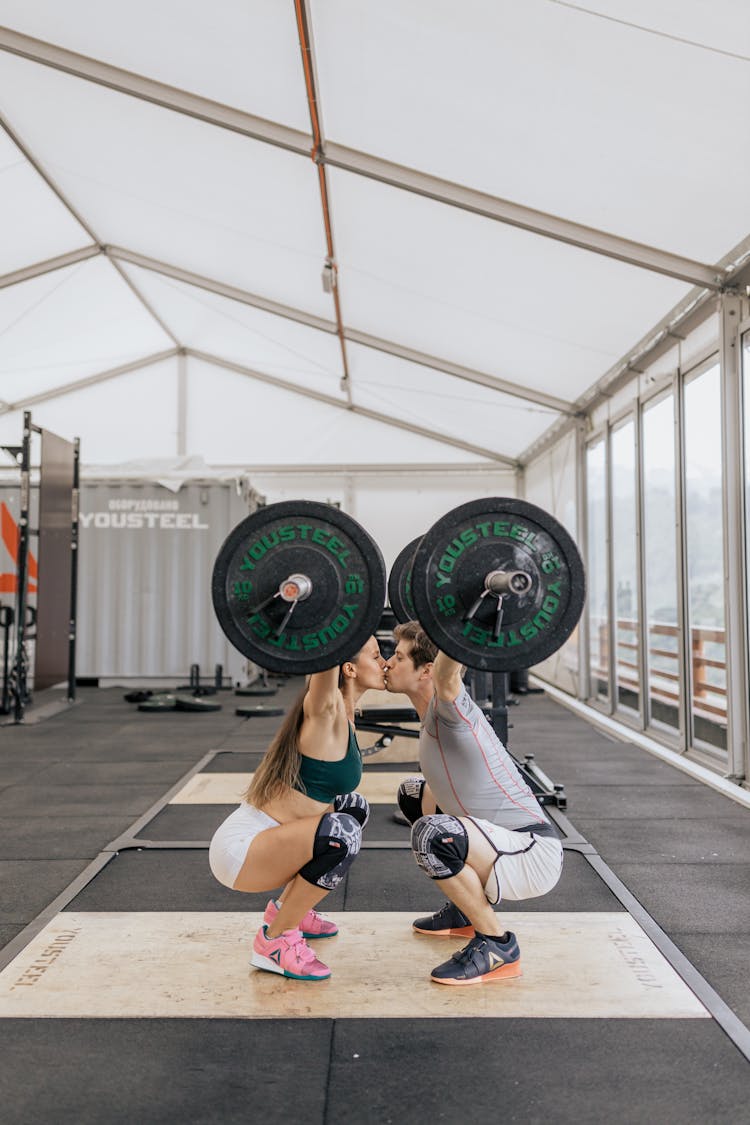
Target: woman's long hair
x: 281, y: 763
x: 280, y: 767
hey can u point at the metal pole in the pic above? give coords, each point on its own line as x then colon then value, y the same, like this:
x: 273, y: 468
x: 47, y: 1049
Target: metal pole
x: 21, y: 575
x: 640, y: 563
x: 735, y: 600
x: 582, y: 530
x: 611, y: 603
x: 683, y: 605
x: 6, y: 621
x: 75, y: 506
x: 500, y: 706
x: 182, y: 411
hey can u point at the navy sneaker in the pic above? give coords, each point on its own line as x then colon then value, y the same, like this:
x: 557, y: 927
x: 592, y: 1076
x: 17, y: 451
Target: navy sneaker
x: 483, y: 961
x: 447, y: 922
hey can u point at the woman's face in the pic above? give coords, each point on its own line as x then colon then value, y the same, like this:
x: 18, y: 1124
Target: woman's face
x: 370, y: 664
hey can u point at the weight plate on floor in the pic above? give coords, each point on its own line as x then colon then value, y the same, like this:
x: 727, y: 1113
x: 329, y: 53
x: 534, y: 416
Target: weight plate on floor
x: 399, y: 583
x: 159, y: 703
x: 498, y: 584
x: 195, y: 703
x: 138, y: 696
x: 259, y: 712
x: 299, y: 587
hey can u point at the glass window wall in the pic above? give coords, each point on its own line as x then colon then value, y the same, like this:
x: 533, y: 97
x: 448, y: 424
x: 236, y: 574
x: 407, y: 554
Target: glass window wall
x: 660, y: 563
x: 597, y: 601
x: 625, y: 567
x: 705, y: 559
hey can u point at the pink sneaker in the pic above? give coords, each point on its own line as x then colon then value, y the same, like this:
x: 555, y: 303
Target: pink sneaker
x: 313, y: 925
x: 288, y: 954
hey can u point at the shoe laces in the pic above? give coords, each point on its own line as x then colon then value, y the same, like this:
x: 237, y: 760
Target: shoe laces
x: 302, y: 950
x: 450, y: 912
x: 466, y: 955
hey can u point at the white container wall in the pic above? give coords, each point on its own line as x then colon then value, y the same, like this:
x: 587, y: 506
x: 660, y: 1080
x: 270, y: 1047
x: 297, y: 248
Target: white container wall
x: 144, y: 598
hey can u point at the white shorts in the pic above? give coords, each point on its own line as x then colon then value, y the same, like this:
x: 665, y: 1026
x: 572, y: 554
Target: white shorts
x: 527, y: 865
x: 228, y: 849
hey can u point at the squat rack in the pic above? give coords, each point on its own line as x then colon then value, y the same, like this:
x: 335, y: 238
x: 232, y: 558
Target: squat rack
x: 15, y: 695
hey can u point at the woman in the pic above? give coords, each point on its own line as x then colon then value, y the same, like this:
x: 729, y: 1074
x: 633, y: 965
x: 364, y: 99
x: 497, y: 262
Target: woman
x: 294, y: 828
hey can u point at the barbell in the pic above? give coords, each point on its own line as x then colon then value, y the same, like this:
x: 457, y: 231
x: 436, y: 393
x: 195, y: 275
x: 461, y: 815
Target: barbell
x: 497, y: 584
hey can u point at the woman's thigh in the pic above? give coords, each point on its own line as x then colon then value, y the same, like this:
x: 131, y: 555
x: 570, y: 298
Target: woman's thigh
x: 276, y: 854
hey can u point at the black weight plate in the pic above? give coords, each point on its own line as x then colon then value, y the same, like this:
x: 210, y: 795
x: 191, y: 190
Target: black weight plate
x: 159, y: 703
x: 344, y: 565
x: 259, y: 712
x: 138, y: 696
x: 399, y: 583
x: 195, y: 703
x: 256, y: 691
x: 498, y: 533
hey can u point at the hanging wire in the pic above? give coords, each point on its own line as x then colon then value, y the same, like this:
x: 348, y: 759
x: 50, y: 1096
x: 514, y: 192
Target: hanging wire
x: 650, y: 30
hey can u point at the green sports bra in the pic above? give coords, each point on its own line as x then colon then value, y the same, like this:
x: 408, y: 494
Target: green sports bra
x: 325, y: 780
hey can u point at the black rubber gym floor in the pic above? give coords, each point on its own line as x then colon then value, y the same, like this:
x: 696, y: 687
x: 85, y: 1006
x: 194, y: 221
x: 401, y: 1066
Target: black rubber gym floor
x: 100, y: 771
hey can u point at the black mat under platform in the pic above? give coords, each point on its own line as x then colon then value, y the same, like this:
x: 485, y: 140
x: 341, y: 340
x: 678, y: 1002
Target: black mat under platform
x: 370, y: 1072
x: 199, y: 822
x: 163, y: 1072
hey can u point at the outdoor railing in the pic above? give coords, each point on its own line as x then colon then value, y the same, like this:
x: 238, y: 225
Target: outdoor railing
x: 707, y: 662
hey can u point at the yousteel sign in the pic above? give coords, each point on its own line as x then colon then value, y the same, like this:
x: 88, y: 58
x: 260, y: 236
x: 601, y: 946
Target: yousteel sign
x: 143, y: 513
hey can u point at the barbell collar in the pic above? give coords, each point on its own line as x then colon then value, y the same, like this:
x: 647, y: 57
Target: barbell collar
x: 501, y: 582
x: 296, y: 588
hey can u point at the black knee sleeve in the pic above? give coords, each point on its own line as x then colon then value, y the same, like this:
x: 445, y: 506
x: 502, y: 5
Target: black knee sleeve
x: 354, y: 804
x: 409, y: 797
x: 440, y: 844
x: 337, y: 841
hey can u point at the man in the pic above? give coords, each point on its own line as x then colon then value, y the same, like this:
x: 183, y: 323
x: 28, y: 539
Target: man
x: 477, y: 828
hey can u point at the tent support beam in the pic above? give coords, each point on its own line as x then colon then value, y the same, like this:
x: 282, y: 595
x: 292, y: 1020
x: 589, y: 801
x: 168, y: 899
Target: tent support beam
x: 265, y: 304
x: 182, y: 403
x: 158, y: 93
x: 431, y: 468
x: 61, y: 262
x: 526, y: 218
x: 90, y: 381
x: 341, y: 404
x: 364, y: 164
x: 539, y: 398
x: 80, y: 220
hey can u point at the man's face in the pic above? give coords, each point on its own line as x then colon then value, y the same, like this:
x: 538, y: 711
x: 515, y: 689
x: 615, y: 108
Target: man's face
x: 400, y: 673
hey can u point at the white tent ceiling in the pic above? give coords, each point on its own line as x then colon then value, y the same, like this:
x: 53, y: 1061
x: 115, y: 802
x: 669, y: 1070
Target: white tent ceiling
x: 509, y: 196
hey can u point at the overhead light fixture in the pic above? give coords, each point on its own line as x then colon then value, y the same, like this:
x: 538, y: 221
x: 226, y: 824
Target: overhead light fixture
x: 329, y: 276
